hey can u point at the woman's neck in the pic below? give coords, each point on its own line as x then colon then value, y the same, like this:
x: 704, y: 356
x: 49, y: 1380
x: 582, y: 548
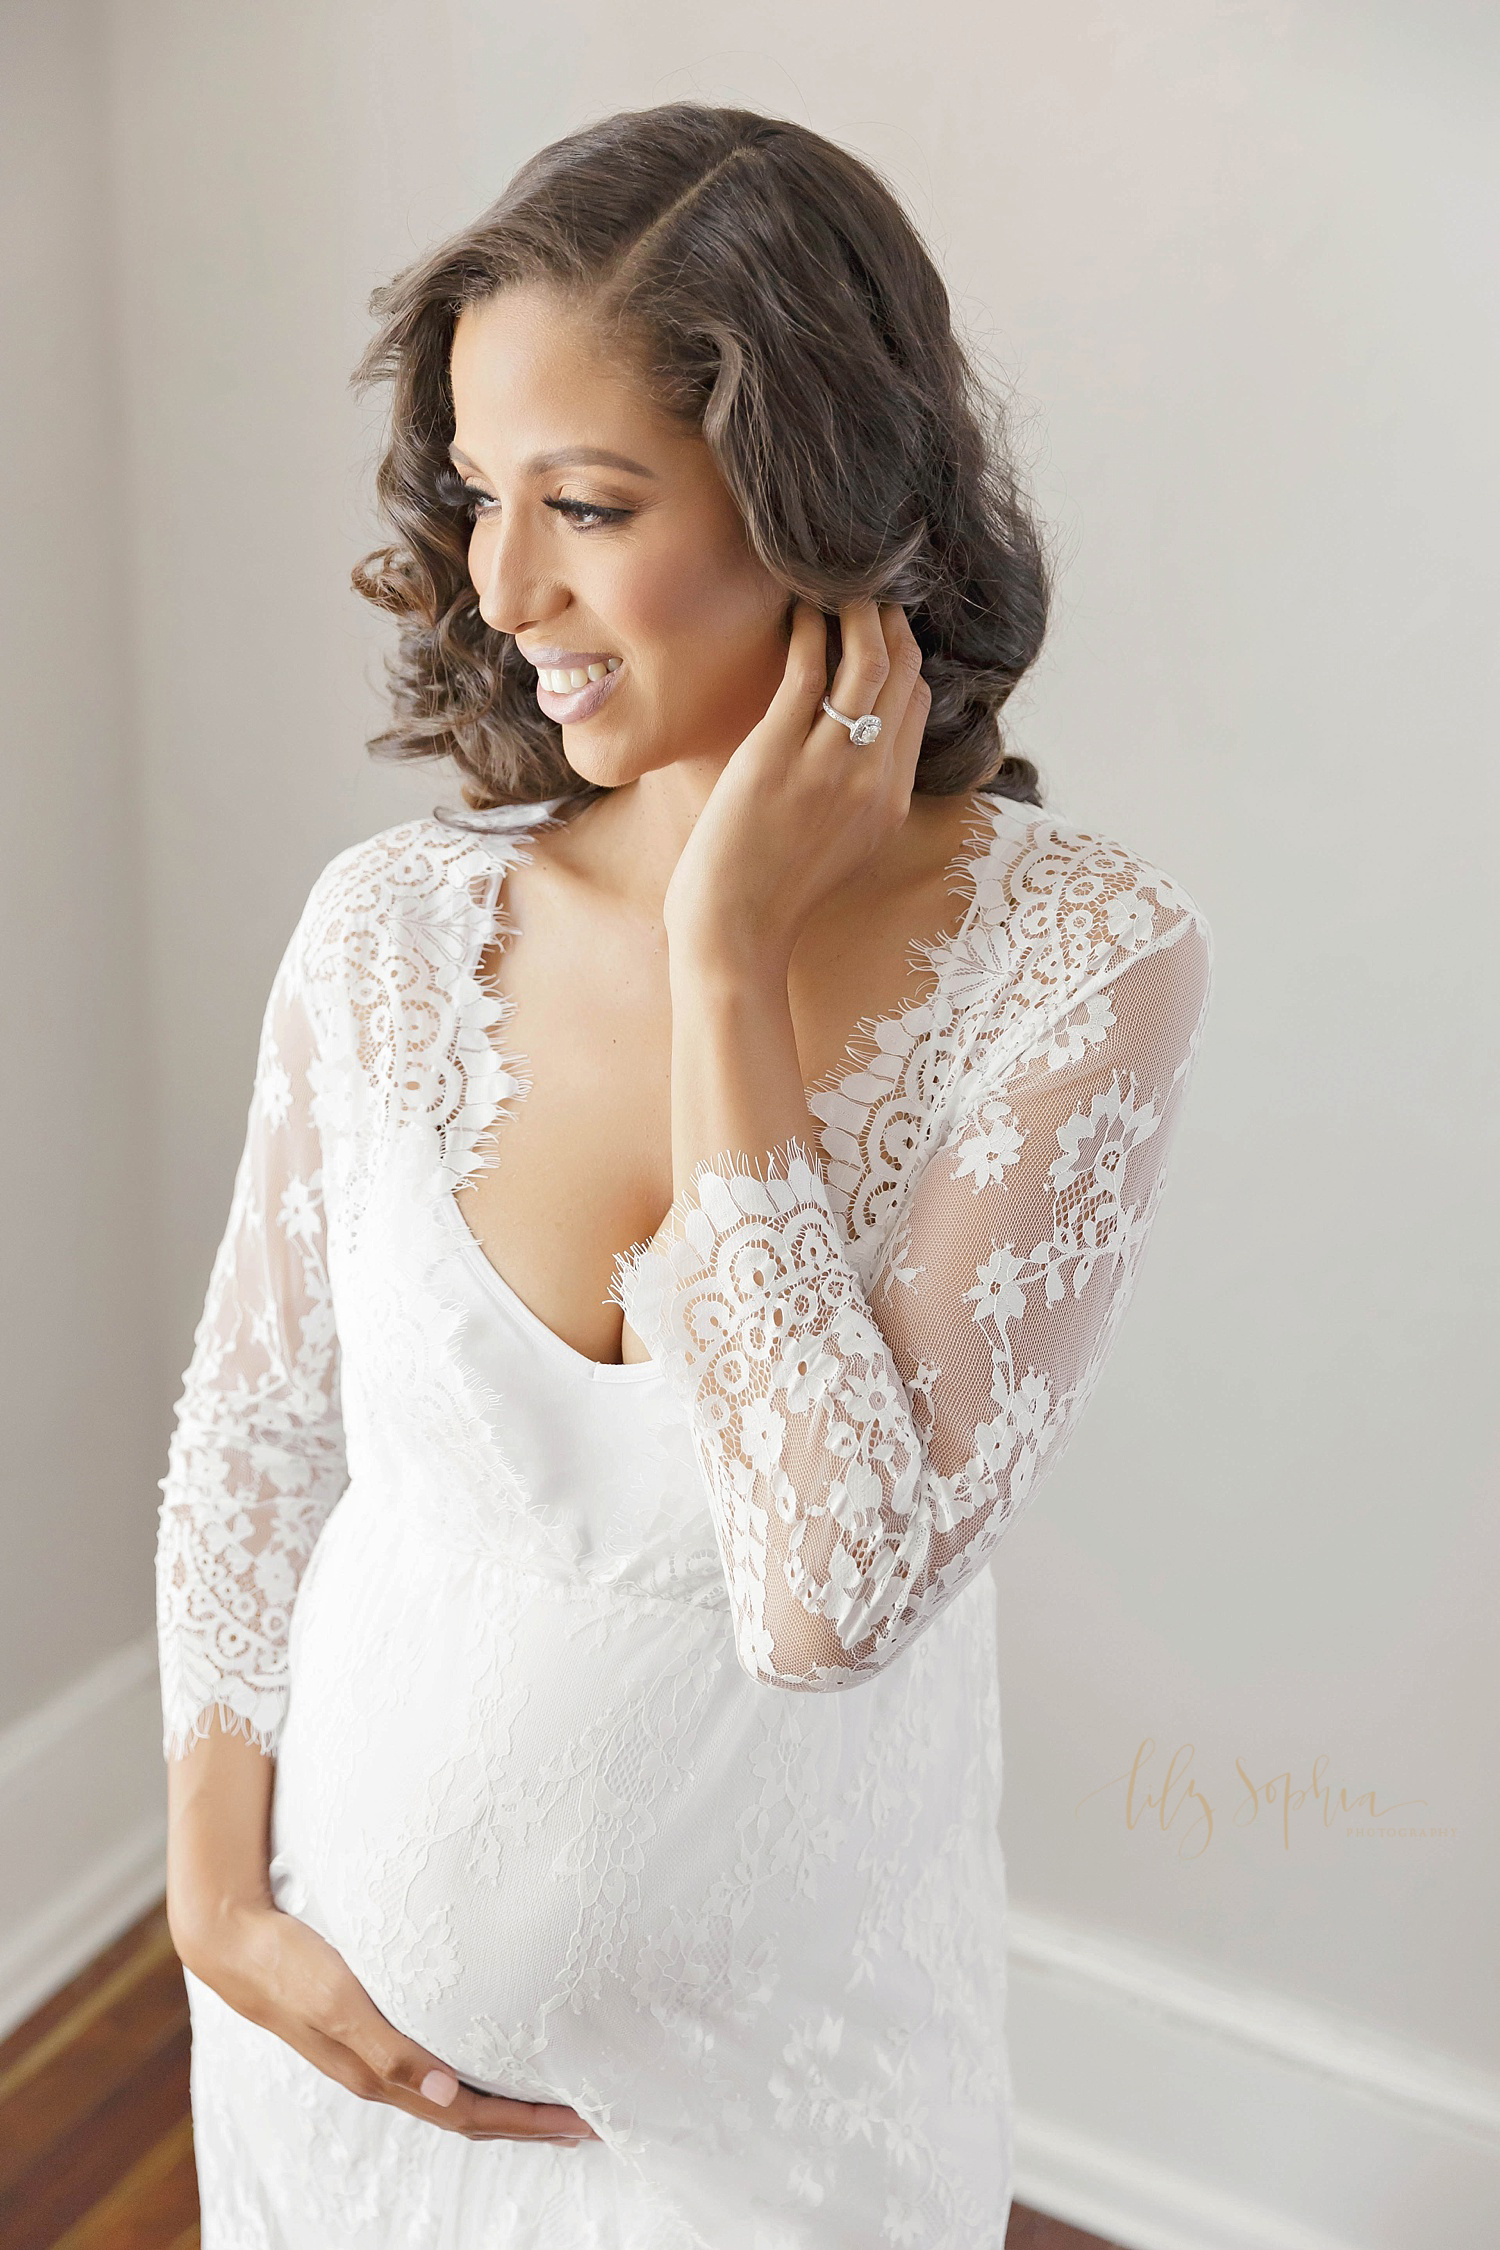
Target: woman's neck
x: 629, y: 841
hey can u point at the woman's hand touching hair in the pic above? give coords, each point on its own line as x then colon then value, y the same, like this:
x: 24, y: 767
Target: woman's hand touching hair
x: 776, y: 297
x: 799, y: 808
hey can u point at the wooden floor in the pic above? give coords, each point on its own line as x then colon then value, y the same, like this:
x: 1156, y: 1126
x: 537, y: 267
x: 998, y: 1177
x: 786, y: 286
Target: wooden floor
x: 96, y: 2143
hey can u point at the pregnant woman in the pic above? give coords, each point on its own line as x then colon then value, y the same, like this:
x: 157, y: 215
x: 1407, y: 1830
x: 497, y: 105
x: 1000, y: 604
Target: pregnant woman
x: 577, y: 1649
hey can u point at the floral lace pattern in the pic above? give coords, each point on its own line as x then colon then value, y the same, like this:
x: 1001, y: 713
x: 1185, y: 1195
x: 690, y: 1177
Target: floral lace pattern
x: 533, y: 1780
x: 375, y: 1022
x: 257, y: 1456
x: 864, y: 1450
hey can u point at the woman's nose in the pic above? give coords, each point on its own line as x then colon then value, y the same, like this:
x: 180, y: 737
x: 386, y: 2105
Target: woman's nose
x: 513, y: 589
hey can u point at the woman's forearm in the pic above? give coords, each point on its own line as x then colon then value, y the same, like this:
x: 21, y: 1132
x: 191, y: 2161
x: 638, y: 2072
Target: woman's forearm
x: 736, y: 1074
x: 790, y: 821
x: 218, y: 1837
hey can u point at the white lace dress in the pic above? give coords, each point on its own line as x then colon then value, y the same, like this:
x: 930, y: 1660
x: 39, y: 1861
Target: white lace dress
x: 637, y: 1729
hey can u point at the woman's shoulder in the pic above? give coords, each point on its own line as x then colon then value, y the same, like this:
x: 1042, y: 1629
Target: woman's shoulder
x: 385, y: 962
x: 1059, y: 907
x: 396, y: 891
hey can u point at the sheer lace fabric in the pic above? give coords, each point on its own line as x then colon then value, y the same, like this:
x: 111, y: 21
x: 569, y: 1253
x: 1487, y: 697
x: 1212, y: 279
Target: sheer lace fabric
x: 376, y: 1026
x: 257, y: 1457
x: 865, y: 1452
x: 519, y: 1629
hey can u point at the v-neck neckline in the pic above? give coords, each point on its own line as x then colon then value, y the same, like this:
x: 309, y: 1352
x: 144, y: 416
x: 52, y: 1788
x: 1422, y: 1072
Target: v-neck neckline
x: 509, y: 824
x: 937, y: 955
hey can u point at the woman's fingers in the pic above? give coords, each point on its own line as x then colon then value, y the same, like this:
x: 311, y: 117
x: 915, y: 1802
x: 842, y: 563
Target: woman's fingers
x: 479, y: 2117
x: 878, y: 674
x: 906, y: 747
x: 795, y: 703
x: 864, y: 669
x: 384, y: 2065
x: 282, y: 1974
x: 910, y: 699
x: 493, y: 2117
x: 347, y: 2014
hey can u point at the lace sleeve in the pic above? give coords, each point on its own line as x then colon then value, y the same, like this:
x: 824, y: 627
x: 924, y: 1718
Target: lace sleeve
x: 257, y: 1457
x: 863, y: 1453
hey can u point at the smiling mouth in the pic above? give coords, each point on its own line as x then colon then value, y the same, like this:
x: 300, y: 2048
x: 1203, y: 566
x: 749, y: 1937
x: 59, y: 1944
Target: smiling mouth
x: 566, y: 679
x: 570, y: 704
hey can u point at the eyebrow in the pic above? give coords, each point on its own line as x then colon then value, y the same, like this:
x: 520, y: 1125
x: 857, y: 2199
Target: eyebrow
x: 571, y: 457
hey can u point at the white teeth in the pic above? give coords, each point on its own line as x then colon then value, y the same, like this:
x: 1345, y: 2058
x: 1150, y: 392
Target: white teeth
x: 557, y: 681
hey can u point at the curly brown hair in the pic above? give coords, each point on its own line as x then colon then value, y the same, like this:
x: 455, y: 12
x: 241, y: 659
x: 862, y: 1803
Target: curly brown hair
x: 774, y: 294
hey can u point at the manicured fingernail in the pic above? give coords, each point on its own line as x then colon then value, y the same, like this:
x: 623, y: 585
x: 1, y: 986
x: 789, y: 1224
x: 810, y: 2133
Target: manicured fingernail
x: 441, y: 2087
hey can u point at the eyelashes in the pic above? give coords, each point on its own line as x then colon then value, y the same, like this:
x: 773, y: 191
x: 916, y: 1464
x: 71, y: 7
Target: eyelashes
x: 584, y: 515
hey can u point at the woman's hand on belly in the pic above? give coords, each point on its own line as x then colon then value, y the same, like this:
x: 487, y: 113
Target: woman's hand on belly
x: 282, y: 1975
x: 279, y: 1973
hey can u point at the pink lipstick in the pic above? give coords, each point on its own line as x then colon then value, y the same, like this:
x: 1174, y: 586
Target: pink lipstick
x: 572, y: 684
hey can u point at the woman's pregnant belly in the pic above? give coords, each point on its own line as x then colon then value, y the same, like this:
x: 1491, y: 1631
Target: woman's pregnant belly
x: 558, y: 1834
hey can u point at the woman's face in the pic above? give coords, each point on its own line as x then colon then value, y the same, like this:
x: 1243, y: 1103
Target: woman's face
x: 607, y: 543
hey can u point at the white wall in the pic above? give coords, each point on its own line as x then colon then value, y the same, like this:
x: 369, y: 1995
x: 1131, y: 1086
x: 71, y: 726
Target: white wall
x: 1239, y: 261
x: 78, y: 1392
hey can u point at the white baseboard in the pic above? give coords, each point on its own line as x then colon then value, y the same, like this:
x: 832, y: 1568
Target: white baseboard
x: 83, y: 1828
x: 1158, y: 2107
x: 1167, y: 2110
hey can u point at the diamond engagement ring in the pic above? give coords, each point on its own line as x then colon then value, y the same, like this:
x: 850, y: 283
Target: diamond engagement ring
x: 861, y: 731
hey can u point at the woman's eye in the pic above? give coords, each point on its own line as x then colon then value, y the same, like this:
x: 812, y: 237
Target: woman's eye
x: 585, y: 516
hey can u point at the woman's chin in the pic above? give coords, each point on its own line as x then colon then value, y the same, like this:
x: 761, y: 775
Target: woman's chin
x: 610, y: 761
x: 594, y: 764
